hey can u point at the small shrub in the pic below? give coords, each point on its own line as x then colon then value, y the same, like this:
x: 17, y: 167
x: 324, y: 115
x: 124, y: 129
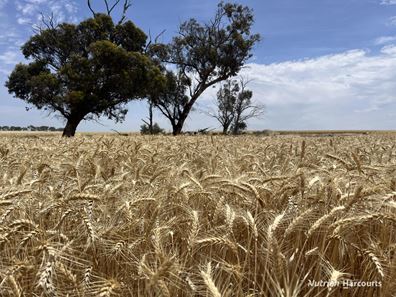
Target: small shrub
x: 145, y: 129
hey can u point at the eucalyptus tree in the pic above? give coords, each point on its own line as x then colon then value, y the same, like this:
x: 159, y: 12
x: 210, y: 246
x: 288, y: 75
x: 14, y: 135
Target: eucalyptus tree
x: 202, y: 55
x: 87, y: 70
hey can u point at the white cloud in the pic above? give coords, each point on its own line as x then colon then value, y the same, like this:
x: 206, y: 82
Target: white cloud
x: 384, y: 40
x: 346, y: 90
x: 389, y: 50
x: 9, y: 57
x: 29, y: 11
x: 25, y: 8
x: 335, y: 76
x: 23, y: 21
x: 392, y: 21
x: 388, y: 2
x: 9, y: 38
x: 355, y: 89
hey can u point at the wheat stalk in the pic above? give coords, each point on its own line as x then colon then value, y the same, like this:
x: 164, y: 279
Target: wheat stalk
x: 208, y: 280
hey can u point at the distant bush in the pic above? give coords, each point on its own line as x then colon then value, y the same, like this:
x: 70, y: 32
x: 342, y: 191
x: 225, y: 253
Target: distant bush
x: 145, y: 129
x: 265, y: 132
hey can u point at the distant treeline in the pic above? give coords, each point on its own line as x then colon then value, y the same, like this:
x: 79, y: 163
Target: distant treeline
x: 30, y: 128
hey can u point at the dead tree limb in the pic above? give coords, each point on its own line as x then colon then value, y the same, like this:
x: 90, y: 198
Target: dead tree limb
x: 150, y: 42
x: 127, y: 5
x: 90, y: 8
x: 110, y: 8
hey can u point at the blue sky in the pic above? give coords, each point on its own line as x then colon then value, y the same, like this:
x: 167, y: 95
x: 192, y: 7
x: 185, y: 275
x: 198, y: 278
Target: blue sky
x: 322, y: 64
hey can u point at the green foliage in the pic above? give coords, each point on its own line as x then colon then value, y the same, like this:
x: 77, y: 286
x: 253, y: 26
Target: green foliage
x: 86, y: 70
x: 156, y: 129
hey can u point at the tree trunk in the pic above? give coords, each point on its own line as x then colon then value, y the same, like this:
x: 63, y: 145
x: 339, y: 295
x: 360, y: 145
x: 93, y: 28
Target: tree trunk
x: 151, y: 118
x: 71, y: 126
x: 225, y: 128
x: 235, y: 128
x: 177, y: 129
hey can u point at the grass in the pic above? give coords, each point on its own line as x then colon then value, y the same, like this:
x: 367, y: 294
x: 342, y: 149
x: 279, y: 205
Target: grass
x: 196, y: 216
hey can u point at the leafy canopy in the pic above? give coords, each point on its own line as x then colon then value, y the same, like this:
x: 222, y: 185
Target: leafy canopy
x: 85, y: 70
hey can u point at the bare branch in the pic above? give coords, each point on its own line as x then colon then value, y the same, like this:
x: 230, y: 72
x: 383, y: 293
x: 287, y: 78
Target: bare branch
x: 150, y: 42
x: 109, y: 11
x: 127, y: 5
x: 159, y: 35
x: 107, y: 7
x: 244, y: 81
x: 110, y: 8
x: 255, y: 111
x: 90, y: 8
x: 50, y: 23
x: 46, y: 23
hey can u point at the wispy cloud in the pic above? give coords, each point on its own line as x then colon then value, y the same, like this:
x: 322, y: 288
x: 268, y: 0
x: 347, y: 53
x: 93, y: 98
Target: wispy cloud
x: 10, y: 41
x: 9, y: 58
x: 24, y: 21
x: 388, y: 2
x: 392, y: 21
x: 384, y: 40
x: 3, y: 3
x: 389, y: 50
x: 29, y: 11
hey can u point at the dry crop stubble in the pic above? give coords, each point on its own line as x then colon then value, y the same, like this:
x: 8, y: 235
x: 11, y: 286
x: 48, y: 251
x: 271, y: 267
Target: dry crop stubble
x: 196, y: 216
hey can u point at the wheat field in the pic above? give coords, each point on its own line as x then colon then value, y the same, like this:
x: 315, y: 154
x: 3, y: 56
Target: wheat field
x: 197, y: 216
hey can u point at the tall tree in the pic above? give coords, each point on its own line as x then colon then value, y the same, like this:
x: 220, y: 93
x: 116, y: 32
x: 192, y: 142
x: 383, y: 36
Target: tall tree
x: 203, y: 54
x: 234, y: 106
x: 86, y: 70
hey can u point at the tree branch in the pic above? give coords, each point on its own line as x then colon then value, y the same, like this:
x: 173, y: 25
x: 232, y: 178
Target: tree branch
x: 155, y: 39
x: 90, y: 8
x: 109, y: 11
x: 127, y: 5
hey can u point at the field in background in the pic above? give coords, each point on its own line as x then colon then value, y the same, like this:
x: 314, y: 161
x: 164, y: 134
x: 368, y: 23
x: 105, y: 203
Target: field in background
x: 305, y: 133
x: 197, y: 216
